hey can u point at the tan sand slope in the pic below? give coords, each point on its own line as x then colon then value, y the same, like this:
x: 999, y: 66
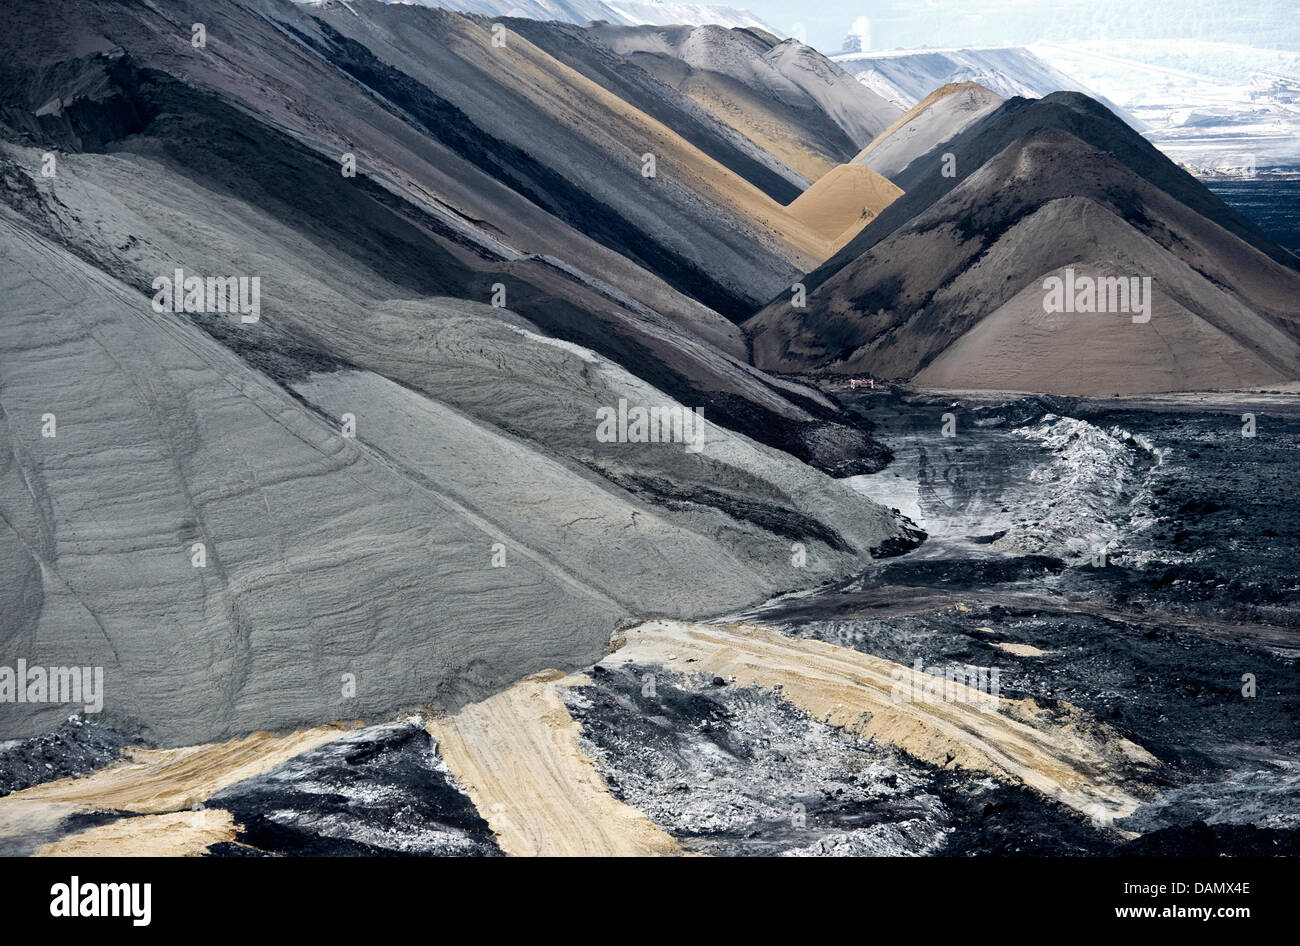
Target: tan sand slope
x: 842, y: 202
x: 517, y: 756
x: 947, y: 305
x: 761, y: 121
x: 157, y: 781
x: 176, y: 834
x: 1066, y: 755
x: 1023, y: 348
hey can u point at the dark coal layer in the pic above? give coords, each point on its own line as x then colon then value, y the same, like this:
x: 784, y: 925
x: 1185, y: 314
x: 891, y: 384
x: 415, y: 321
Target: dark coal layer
x: 378, y: 791
x: 1202, y: 840
x: 78, y: 747
x: 734, y: 770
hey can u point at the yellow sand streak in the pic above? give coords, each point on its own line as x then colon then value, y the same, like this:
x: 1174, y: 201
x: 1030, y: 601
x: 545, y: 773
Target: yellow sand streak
x: 517, y: 756
x: 1065, y: 753
x: 600, y: 116
x: 157, y: 780
x: 176, y: 834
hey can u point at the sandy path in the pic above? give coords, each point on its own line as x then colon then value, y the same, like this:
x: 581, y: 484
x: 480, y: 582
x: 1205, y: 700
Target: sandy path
x: 517, y: 756
x: 1066, y: 755
x: 154, y: 781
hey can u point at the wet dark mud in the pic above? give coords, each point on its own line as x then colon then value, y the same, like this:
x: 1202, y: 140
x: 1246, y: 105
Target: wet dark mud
x: 1226, y: 528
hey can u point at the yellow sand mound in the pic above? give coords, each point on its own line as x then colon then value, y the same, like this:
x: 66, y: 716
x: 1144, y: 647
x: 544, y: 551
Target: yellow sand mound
x: 842, y: 202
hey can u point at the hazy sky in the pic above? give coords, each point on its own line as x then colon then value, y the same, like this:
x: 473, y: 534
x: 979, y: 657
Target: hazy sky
x: 915, y: 23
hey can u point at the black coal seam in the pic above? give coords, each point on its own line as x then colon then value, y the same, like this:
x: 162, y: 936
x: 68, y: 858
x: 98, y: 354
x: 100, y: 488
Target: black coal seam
x: 413, y: 792
x: 83, y: 124
x: 770, y: 518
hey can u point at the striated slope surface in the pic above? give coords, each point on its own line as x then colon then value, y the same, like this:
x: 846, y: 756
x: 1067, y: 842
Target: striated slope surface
x: 166, y: 439
x: 938, y: 117
x: 784, y: 95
